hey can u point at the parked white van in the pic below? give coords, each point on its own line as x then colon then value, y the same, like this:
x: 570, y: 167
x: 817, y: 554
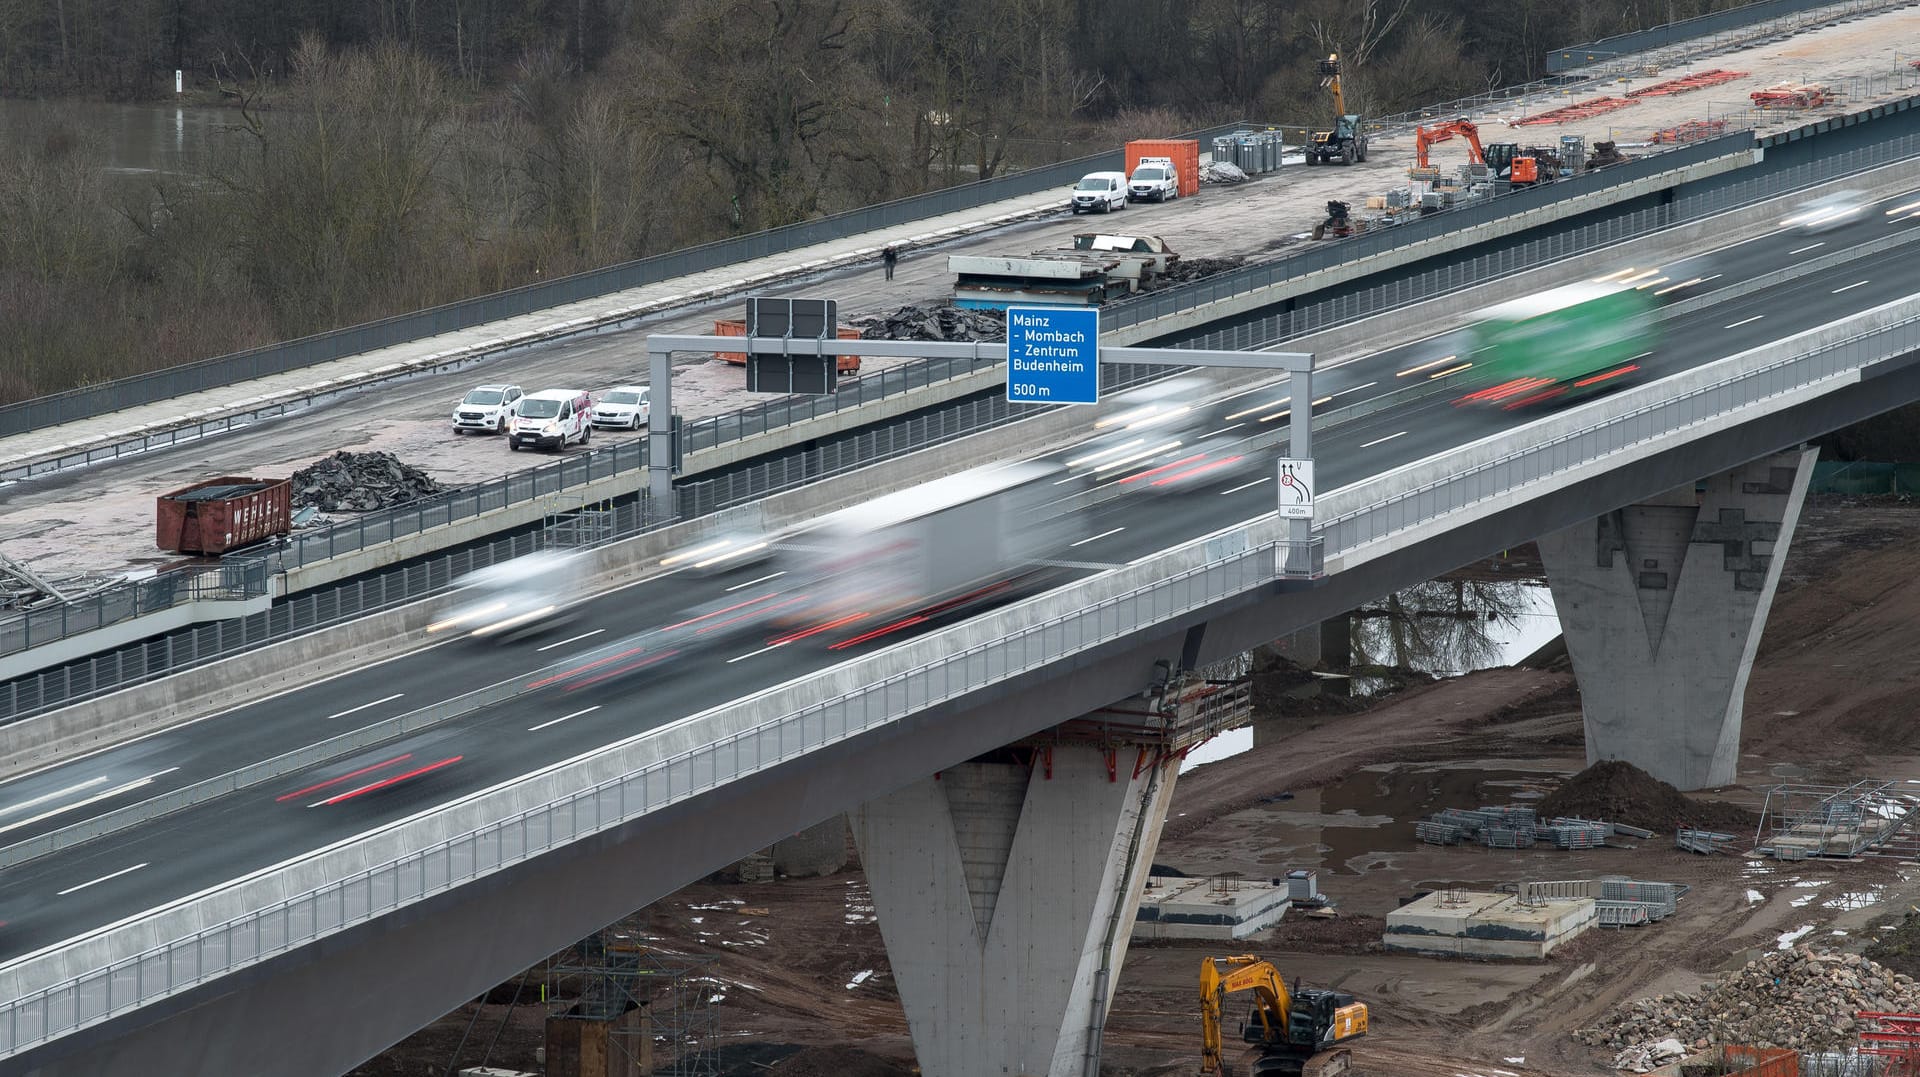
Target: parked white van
x: 1101, y: 192
x: 552, y: 419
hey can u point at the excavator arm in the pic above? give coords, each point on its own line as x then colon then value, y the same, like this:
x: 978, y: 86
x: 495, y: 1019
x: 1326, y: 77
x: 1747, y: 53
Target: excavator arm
x: 1223, y: 976
x: 1424, y: 137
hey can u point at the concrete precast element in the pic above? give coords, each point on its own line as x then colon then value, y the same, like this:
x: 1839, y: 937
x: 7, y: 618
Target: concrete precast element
x: 995, y: 886
x: 57, y: 990
x: 1663, y: 603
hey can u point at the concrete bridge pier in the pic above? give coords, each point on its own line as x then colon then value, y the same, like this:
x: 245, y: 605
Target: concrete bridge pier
x: 1007, y: 887
x: 1662, y: 604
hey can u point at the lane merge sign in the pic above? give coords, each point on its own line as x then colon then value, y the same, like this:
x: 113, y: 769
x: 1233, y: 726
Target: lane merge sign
x: 1296, y: 489
x: 1053, y: 355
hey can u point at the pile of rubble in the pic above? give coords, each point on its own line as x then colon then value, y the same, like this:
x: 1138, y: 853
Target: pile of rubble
x: 1222, y: 173
x: 1789, y: 998
x: 933, y: 323
x: 359, y: 482
x: 1187, y: 269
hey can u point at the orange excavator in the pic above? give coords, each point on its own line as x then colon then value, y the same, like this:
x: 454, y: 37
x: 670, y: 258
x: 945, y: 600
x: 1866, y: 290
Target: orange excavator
x: 1424, y: 137
x: 1297, y: 1032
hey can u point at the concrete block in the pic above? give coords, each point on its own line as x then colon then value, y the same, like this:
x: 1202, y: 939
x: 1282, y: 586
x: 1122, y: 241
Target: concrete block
x: 1208, y: 908
x: 1478, y: 924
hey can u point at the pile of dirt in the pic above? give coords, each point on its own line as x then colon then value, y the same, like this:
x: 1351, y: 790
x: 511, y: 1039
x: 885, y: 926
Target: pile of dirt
x: 838, y: 1062
x: 359, y: 482
x: 1789, y: 998
x: 1620, y: 792
x: 932, y: 323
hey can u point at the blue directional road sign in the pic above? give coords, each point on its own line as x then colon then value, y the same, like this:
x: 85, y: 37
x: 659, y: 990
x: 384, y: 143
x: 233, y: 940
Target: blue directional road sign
x: 1053, y: 355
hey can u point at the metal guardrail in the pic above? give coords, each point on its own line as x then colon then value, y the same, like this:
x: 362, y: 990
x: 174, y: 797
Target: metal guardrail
x: 254, y: 774
x: 1230, y: 563
x: 25, y: 696
x: 93, y: 400
x: 1349, y: 529
x: 1705, y: 32
x: 291, y: 923
x: 1327, y: 255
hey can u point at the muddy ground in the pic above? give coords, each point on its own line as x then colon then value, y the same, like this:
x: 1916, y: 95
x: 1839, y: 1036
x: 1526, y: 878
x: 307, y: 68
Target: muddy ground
x: 800, y: 963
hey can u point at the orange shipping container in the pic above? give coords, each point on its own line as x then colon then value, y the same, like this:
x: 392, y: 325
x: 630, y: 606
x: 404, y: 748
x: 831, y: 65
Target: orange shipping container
x: 737, y: 327
x: 1185, y: 153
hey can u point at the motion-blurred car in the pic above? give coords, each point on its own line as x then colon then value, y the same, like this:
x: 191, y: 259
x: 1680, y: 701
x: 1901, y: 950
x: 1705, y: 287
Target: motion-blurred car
x: 721, y: 553
x: 516, y: 597
x: 1828, y: 212
x: 625, y: 407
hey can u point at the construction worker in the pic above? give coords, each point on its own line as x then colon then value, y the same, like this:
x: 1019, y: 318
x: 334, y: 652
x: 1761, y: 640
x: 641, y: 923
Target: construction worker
x: 890, y: 258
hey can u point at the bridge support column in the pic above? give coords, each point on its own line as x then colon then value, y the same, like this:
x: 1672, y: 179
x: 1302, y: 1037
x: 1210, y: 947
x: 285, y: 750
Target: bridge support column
x: 1006, y: 893
x: 1662, y: 605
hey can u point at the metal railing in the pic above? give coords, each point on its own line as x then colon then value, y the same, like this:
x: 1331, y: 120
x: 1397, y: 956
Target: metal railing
x: 91, y: 401
x: 285, y: 925
x: 1712, y: 31
x: 51, y: 688
x: 1022, y: 638
x: 136, y: 598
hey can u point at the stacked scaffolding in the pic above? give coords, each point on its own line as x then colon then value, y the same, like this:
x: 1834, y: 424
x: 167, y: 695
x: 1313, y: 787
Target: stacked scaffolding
x: 1688, y: 83
x: 1577, y: 111
x: 1515, y: 827
x: 1704, y: 842
x: 1791, y: 95
x: 643, y: 1004
x: 1867, y: 818
x: 1691, y: 131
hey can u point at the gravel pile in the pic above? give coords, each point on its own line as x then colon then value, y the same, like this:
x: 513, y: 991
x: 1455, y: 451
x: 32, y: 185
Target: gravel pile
x: 1790, y: 998
x: 933, y: 323
x: 1623, y: 793
x: 359, y: 482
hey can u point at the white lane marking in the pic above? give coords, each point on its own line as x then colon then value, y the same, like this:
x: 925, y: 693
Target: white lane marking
x: 94, y: 799
x: 1344, y: 392
x: 1849, y: 287
x: 55, y: 795
x: 1744, y: 321
x: 364, y: 706
x: 1223, y: 430
x: 1244, y: 486
x: 104, y: 878
x: 1097, y: 537
x: 1809, y: 247
x: 562, y: 718
x: 762, y: 579
x: 1382, y: 441
x: 750, y: 654
x: 574, y: 639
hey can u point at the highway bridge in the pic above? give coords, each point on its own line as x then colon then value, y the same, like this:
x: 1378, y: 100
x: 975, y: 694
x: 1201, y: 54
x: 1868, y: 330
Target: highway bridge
x: 494, y: 810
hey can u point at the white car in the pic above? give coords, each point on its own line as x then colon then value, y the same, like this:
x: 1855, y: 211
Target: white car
x: 624, y: 406
x: 1154, y: 180
x: 488, y: 409
x: 1828, y: 212
x: 1099, y: 192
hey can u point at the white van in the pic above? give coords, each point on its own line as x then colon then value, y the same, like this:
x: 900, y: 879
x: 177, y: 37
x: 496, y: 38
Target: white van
x: 552, y: 419
x: 1101, y: 192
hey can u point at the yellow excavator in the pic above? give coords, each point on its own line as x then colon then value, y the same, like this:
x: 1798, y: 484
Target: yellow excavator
x: 1297, y: 1032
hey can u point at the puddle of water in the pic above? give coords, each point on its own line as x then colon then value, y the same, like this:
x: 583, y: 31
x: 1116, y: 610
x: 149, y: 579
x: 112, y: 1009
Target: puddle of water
x: 1788, y: 938
x: 1853, y: 899
x: 1366, y: 817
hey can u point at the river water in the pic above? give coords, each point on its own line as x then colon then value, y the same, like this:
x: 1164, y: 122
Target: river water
x: 134, y: 140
